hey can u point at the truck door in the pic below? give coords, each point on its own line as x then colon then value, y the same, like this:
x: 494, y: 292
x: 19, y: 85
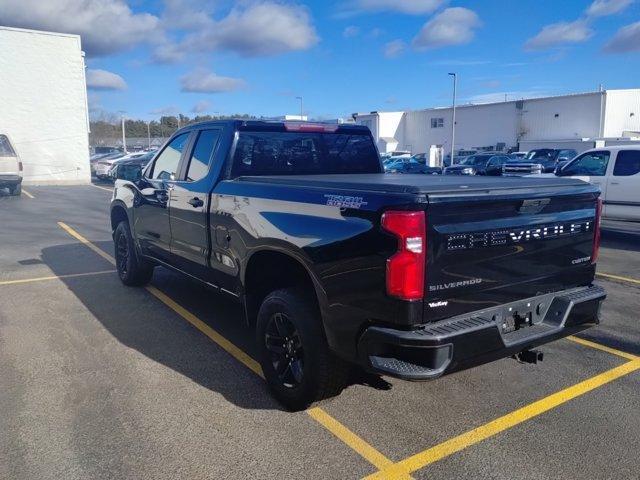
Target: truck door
x: 151, y: 222
x: 590, y: 167
x: 189, y: 207
x: 623, y: 189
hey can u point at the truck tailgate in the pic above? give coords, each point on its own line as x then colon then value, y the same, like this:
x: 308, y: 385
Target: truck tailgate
x: 491, y: 248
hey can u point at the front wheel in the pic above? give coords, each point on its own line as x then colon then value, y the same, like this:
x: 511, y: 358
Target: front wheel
x: 132, y: 270
x: 298, y: 366
x: 16, y: 189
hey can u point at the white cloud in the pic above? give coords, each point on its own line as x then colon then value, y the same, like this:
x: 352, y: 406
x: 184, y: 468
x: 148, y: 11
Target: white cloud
x: 351, y: 31
x: 106, y: 26
x: 202, y: 106
x: 394, y: 48
x: 561, y: 33
x: 168, y: 110
x: 627, y: 39
x: 602, y: 8
x: 258, y: 29
x: 410, y: 7
x: 452, y: 26
x: 168, y: 53
x: 202, y: 81
x: 103, y: 80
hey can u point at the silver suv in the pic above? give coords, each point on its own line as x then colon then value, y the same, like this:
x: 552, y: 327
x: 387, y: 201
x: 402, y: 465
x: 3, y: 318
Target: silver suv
x: 10, y: 167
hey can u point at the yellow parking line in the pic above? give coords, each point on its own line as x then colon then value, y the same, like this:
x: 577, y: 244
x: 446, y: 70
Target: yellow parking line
x: 27, y: 193
x: 365, y: 450
x: 226, y: 345
x: 472, y: 437
x: 102, y: 188
x: 86, y: 242
x: 53, y: 277
x: 618, y: 277
x: 604, y: 348
x: 356, y: 443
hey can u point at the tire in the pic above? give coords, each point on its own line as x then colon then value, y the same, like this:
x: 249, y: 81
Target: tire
x: 132, y: 270
x: 312, y: 373
x: 16, y: 189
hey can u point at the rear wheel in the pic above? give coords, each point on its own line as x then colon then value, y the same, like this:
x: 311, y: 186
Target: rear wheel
x: 295, y: 357
x: 132, y: 270
x: 16, y: 189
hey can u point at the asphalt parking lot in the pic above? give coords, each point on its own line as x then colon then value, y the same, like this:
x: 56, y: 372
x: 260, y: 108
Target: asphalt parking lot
x: 98, y: 380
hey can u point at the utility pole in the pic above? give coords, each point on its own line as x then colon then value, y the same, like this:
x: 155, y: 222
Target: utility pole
x: 453, y: 120
x: 149, y: 133
x: 301, y: 109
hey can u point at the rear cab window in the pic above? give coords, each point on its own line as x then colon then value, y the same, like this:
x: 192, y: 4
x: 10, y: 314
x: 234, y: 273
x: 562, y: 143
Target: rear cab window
x: 6, y: 150
x: 627, y: 163
x: 304, y: 153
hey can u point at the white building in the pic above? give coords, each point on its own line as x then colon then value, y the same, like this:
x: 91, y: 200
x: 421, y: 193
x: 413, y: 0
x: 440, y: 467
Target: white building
x: 43, y: 104
x: 579, y: 121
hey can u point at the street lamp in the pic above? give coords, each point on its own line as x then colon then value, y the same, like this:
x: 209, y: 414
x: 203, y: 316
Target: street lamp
x: 149, y: 133
x: 453, y: 116
x: 301, y: 110
x: 124, y: 138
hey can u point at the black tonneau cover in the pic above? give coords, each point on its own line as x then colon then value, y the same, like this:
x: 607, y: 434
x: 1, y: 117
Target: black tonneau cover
x: 418, y: 183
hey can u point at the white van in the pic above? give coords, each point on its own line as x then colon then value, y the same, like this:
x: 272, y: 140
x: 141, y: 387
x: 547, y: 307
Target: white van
x: 10, y: 167
x: 616, y: 170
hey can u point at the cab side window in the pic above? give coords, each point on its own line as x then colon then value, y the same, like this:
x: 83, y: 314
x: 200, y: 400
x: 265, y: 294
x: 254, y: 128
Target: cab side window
x: 593, y: 164
x: 627, y: 163
x: 166, y: 165
x: 201, y: 156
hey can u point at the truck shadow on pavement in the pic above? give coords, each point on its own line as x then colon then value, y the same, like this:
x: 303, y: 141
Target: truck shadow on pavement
x: 621, y: 236
x: 140, y: 321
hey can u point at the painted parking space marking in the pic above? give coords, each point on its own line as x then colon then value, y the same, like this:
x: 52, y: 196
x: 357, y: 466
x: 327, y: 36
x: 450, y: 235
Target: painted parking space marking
x: 620, y: 278
x: 27, y: 193
x: 53, y: 277
x: 348, y: 437
x: 101, y: 188
x: 510, y: 420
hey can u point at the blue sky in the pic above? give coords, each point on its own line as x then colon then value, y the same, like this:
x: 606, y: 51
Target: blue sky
x: 252, y: 56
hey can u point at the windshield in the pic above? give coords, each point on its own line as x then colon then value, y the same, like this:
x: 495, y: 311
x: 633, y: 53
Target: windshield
x: 541, y: 153
x: 476, y: 160
x: 302, y: 153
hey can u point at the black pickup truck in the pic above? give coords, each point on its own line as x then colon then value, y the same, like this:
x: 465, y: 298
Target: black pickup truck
x: 336, y: 263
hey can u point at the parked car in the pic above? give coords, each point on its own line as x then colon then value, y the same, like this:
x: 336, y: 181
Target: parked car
x: 103, y: 165
x: 543, y: 160
x: 140, y: 161
x: 335, y: 262
x: 479, y: 164
x: 616, y: 171
x: 10, y: 167
x: 411, y: 165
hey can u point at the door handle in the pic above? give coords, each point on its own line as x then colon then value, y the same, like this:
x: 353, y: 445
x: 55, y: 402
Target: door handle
x: 615, y: 183
x: 196, y: 202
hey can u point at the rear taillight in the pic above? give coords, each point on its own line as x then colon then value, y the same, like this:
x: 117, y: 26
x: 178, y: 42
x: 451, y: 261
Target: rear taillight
x: 596, y: 232
x: 406, y: 268
x: 20, y: 166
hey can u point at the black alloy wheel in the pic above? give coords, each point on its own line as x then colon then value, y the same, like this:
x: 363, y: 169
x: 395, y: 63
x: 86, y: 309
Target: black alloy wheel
x: 283, y: 343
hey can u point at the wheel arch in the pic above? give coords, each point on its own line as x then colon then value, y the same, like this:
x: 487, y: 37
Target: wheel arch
x: 268, y: 270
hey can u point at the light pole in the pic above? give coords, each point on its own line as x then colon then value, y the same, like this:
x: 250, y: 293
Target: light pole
x: 301, y: 110
x: 453, y: 116
x: 149, y: 133
x: 124, y: 138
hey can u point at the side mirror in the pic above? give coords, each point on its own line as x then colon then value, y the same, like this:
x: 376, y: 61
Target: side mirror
x: 129, y: 172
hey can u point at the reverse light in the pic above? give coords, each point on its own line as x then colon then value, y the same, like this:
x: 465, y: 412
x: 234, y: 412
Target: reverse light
x: 596, y: 232
x: 406, y: 268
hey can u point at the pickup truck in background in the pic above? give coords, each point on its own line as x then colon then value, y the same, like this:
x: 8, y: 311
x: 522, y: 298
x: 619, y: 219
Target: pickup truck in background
x: 337, y: 263
x: 615, y: 171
